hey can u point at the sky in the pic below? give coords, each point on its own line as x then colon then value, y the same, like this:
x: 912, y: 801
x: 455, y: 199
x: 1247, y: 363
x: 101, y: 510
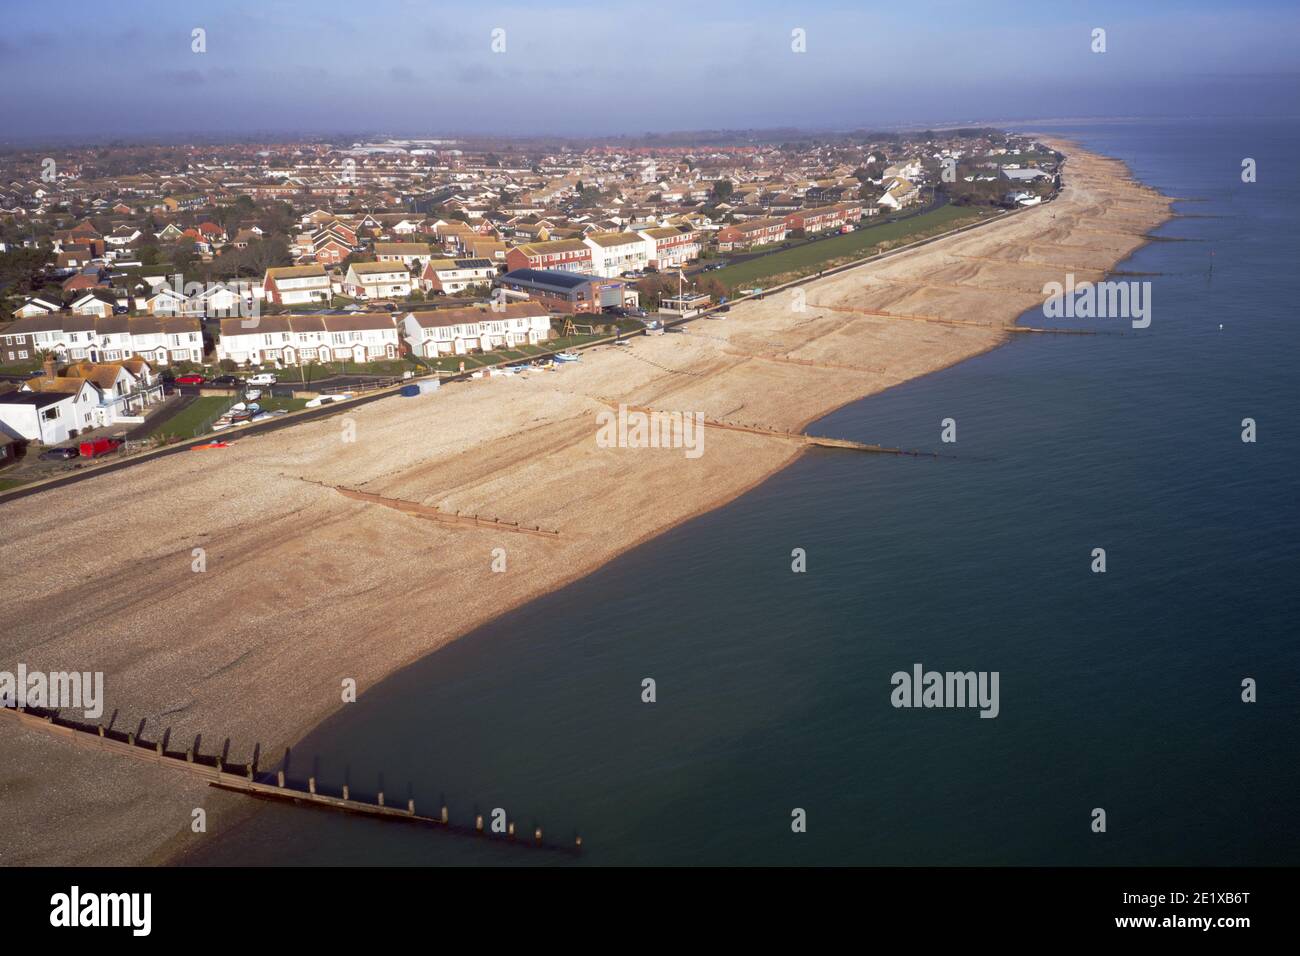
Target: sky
x: 413, y: 68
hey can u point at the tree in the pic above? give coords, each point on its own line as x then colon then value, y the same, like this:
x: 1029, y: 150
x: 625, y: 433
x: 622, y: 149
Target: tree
x: 722, y: 190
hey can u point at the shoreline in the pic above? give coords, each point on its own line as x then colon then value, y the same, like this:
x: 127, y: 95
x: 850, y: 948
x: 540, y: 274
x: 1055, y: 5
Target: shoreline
x: 540, y: 447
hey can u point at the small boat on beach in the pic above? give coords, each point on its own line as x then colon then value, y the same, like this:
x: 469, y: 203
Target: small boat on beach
x: 567, y: 356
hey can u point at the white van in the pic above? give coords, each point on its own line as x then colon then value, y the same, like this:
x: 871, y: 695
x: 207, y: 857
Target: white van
x: 262, y: 378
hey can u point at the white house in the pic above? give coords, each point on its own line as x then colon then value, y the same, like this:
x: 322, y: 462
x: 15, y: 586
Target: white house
x: 286, y: 340
x: 160, y: 339
x: 297, y: 285
x: 668, y: 247
x: 613, y: 253
x: 404, y: 252
x: 450, y: 276
x: 458, y: 331
x: 48, y: 410
x: 377, y: 280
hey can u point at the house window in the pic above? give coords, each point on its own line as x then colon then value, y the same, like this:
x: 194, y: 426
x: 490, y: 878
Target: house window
x: 50, y: 414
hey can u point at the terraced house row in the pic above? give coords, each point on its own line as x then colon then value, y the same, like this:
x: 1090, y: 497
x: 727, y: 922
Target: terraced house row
x: 610, y: 254
x: 161, y: 339
x: 372, y: 336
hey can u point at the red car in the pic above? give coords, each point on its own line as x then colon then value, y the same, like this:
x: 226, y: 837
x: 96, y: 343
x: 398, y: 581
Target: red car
x: 100, y: 446
x: 190, y: 379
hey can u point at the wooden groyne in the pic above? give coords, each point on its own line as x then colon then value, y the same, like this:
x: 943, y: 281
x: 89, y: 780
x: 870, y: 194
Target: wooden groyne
x: 246, y: 779
x: 957, y: 323
x: 821, y: 441
x: 454, y: 518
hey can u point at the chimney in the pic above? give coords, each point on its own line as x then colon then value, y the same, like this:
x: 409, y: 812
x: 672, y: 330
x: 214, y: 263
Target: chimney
x: 50, y: 374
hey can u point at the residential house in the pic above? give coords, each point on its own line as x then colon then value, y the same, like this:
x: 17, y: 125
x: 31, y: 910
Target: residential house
x: 751, y: 233
x: 377, y: 280
x: 564, y: 255
x: 613, y: 253
x: 297, y: 285
x: 430, y: 334
x: 287, y: 340
x: 449, y: 276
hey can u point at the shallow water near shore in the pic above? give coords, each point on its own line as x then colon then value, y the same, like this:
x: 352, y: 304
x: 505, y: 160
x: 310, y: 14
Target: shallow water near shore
x: 1118, y: 690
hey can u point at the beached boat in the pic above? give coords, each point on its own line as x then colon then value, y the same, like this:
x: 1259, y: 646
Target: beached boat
x: 567, y: 356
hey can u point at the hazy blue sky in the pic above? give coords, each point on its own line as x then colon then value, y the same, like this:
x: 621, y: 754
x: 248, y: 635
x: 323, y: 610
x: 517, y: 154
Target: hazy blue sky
x: 411, y: 67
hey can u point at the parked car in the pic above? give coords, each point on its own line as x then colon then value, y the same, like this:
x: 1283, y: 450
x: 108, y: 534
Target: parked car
x: 190, y: 379
x: 231, y: 381
x: 100, y: 446
x: 262, y: 378
x: 59, y: 454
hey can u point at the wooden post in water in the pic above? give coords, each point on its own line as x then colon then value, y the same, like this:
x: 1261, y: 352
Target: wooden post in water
x: 279, y: 778
x: 444, y: 814
x: 311, y: 784
x: 381, y: 798
x: 345, y: 791
x: 410, y: 806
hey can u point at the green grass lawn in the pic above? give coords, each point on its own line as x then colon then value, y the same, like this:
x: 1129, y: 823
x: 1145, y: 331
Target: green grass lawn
x: 276, y: 404
x: 194, y: 418
x: 810, y: 257
x: 306, y: 375
x: 7, y: 483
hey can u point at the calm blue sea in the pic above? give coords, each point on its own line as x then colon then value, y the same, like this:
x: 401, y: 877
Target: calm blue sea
x: 1119, y: 690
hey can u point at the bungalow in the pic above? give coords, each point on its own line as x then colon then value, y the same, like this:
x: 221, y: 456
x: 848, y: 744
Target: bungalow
x: 377, y: 280
x: 36, y: 306
x: 100, y: 302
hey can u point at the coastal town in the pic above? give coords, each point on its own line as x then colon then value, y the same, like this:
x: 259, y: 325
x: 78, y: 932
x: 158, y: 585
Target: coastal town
x: 145, y: 287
